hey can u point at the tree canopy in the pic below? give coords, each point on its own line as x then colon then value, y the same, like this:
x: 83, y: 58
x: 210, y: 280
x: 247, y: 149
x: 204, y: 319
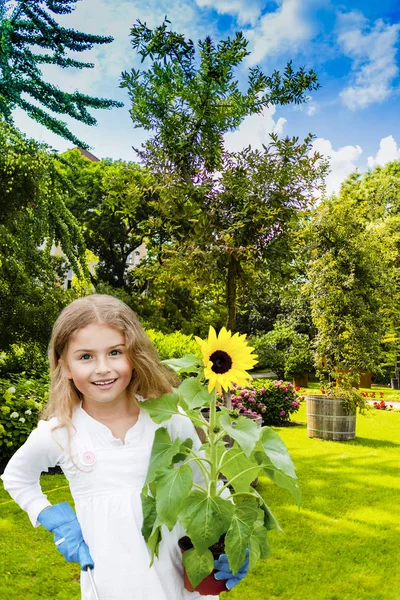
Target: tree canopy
x: 189, y: 101
x: 31, y: 37
x: 33, y: 218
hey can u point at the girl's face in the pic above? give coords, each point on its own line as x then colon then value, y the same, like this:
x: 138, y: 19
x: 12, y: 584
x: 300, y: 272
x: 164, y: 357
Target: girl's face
x: 97, y: 363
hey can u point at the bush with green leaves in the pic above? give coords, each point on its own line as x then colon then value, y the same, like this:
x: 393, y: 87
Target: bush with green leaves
x: 173, y: 345
x: 28, y: 358
x: 284, y: 351
x: 274, y: 401
x: 21, y: 401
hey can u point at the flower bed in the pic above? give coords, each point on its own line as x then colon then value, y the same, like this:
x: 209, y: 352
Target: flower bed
x: 274, y: 401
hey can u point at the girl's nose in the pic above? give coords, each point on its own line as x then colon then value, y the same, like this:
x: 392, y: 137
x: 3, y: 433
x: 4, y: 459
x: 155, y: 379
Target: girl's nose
x: 102, y: 367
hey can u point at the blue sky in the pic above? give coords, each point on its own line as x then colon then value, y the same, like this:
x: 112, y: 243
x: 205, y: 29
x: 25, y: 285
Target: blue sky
x: 353, y: 46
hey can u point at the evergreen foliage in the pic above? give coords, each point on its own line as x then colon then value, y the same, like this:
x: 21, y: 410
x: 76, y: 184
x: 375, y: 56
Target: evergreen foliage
x: 30, y: 37
x: 33, y: 217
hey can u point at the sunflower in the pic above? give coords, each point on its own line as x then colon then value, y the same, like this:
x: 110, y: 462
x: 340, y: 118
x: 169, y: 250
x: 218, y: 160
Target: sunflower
x: 226, y: 358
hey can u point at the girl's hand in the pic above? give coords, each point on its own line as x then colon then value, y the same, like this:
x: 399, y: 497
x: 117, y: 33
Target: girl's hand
x: 61, y: 520
x: 224, y: 572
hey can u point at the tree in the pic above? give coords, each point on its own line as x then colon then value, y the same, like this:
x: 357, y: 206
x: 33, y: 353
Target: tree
x: 189, y: 104
x: 226, y: 210
x: 252, y: 210
x: 33, y: 217
x: 376, y: 197
x: 117, y: 205
x: 349, y: 273
x: 26, y: 25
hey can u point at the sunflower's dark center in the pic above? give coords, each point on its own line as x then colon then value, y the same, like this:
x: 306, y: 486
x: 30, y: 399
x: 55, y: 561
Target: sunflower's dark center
x: 221, y: 362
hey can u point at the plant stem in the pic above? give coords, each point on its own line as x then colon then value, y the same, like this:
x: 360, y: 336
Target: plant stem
x: 213, y: 446
x: 228, y: 483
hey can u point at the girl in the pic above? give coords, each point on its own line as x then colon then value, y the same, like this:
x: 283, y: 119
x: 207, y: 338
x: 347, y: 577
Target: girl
x: 102, y: 366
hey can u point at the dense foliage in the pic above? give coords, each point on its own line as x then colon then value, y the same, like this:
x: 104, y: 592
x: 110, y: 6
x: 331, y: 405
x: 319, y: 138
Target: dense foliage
x: 21, y: 401
x: 351, y: 268
x: 31, y: 37
x: 284, y: 351
x: 33, y: 219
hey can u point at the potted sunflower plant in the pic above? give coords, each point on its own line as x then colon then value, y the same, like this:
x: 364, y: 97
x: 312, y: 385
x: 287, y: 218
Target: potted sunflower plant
x: 231, y: 518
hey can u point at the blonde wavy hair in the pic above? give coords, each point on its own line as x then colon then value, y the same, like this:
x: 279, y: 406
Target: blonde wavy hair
x: 150, y: 378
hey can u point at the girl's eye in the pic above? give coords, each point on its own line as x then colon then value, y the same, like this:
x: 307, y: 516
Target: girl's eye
x: 85, y: 357
x: 117, y: 352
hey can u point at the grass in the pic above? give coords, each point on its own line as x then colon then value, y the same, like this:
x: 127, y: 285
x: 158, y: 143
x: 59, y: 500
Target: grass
x: 343, y: 544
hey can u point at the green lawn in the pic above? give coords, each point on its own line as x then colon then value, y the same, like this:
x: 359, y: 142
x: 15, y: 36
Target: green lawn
x: 342, y: 545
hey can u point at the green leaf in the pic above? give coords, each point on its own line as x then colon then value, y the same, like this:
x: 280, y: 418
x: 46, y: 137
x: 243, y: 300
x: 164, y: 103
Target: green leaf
x: 194, y: 393
x: 238, y: 467
x: 149, y: 514
x: 276, y: 451
x: 162, y: 453
x: 241, y: 429
x: 184, y: 451
x: 154, y: 541
x: 258, y: 545
x: 205, y: 519
x: 173, y: 486
x: 187, y: 364
x: 270, y: 522
x: 272, y: 455
x: 197, y: 565
x: 161, y: 409
x: 279, y: 477
x: 237, y: 539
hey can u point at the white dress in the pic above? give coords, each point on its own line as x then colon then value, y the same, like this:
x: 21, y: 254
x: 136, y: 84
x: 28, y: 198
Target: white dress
x: 106, y: 490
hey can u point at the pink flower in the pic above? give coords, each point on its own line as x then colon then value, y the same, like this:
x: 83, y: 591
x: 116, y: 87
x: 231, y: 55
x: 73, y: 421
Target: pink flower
x: 282, y: 413
x: 264, y: 408
x: 284, y: 388
x: 295, y: 404
x: 286, y: 397
x: 262, y: 390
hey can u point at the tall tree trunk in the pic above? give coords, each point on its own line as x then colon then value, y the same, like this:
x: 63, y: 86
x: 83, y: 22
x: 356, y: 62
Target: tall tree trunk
x: 231, y: 289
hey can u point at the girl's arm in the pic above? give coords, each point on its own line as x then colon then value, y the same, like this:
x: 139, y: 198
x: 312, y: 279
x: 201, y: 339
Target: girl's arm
x: 21, y: 477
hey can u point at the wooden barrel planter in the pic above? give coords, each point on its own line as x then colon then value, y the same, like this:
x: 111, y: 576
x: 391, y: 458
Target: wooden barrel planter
x: 328, y: 419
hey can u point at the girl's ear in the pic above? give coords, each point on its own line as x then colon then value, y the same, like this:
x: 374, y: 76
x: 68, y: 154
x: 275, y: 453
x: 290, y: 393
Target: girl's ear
x: 65, y: 368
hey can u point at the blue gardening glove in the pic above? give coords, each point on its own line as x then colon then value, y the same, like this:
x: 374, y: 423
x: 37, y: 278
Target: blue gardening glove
x: 224, y: 572
x: 62, y: 521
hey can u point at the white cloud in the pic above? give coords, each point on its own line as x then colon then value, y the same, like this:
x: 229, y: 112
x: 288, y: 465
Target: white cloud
x: 255, y: 131
x: 309, y: 108
x: 275, y: 32
x: 247, y: 11
x: 373, y: 51
x: 342, y: 162
x: 388, y: 151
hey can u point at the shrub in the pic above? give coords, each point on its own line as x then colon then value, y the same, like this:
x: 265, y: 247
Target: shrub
x: 28, y: 358
x: 284, y: 351
x: 173, y: 345
x: 275, y: 401
x: 270, y: 355
x: 21, y: 401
